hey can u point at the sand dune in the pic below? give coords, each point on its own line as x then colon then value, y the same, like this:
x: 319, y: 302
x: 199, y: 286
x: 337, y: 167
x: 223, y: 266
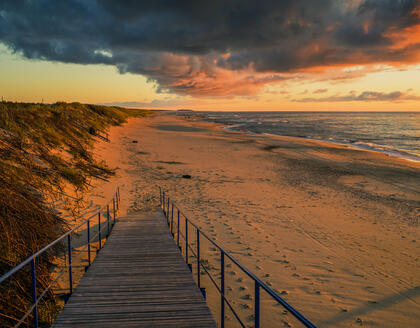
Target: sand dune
x: 336, y: 231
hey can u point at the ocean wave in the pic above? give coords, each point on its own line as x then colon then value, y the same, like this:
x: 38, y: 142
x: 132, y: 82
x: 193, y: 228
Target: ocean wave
x: 385, y: 150
x: 233, y: 126
x: 359, y: 145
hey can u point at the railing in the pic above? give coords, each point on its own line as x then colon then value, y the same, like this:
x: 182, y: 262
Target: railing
x: 90, y: 244
x: 175, y: 226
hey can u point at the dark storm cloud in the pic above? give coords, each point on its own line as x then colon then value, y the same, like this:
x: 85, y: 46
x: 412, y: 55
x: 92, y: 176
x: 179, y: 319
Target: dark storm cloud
x: 189, y: 46
x: 369, y: 24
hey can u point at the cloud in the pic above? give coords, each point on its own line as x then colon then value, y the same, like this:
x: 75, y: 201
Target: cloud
x: 366, y: 96
x: 320, y: 91
x: 214, y: 48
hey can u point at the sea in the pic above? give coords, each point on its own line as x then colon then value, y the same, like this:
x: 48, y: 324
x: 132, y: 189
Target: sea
x: 393, y: 133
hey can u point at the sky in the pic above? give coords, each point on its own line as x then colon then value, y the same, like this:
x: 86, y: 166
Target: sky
x: 213, y: 55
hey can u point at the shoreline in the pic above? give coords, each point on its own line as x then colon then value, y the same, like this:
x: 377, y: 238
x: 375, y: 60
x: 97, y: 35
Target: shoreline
x: 396, y: 154
x: 360, y: 145
x: 391, y: 153
x: 330, y: 228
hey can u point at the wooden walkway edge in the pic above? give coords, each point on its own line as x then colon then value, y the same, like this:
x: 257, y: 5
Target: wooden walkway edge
x: 139, y: 279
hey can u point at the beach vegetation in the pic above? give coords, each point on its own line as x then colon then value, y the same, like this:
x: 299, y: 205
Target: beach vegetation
x: 45, y: 155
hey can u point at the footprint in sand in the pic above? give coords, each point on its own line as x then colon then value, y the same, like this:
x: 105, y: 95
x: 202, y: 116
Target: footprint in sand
x: 246, y: 297
x: 282, y: 261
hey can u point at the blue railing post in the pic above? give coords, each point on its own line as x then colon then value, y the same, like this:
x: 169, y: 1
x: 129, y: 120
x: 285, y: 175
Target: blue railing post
x: 107, y: 221
x: 34, y: 300
x: 99, y: 231
x: 172, y: 220
x: 113, y: 202
x: 162, y: 204
x: 167, y: 212
x: 257, y: 305
x: 88, y: 240
x: 114, y: 209
x: 222, y: 289
x: 186, y: 242
x: 177, y: 235
x: 107, y: 212
x: 117, y: 201
x: 70, y: 270
x: 165, y: 202
x: 198, y: 259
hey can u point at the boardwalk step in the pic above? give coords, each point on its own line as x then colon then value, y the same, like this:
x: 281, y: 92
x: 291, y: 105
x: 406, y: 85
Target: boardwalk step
x: 139, y: 279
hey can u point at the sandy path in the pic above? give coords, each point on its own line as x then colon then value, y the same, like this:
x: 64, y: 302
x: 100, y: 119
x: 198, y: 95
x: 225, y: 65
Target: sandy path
x: 335, y: 230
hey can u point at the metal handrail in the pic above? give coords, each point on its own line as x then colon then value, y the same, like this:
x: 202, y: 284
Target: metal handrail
x: 116, y: 199
x: 165, y: 203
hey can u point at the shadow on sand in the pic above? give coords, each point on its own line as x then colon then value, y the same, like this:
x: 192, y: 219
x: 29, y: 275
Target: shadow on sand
x: 407, y: 295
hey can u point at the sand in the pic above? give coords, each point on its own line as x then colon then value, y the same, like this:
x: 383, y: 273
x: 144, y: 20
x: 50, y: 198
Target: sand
x: 334, y: 230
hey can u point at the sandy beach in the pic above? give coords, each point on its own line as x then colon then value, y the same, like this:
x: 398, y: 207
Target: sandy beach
x: 334, y: 230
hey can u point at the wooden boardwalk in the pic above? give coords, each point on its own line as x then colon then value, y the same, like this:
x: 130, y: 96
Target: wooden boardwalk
x: 139, y: 279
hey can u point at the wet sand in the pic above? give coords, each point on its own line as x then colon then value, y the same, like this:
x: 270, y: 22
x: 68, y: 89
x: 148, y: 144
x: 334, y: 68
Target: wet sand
x: 334, y: 230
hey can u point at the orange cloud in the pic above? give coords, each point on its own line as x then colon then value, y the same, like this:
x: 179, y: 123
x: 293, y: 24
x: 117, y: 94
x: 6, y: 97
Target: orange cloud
x: 200, y: 77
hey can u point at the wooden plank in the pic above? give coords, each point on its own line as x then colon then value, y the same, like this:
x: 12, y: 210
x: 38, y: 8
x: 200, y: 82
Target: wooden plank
x: 139, y: 279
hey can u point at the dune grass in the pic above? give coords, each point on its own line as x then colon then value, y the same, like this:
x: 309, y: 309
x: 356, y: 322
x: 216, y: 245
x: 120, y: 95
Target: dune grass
x: 44, y: 151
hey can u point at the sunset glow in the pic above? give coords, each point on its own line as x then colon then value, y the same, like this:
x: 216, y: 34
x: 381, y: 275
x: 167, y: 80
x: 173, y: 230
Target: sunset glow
x: 356, y: 55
